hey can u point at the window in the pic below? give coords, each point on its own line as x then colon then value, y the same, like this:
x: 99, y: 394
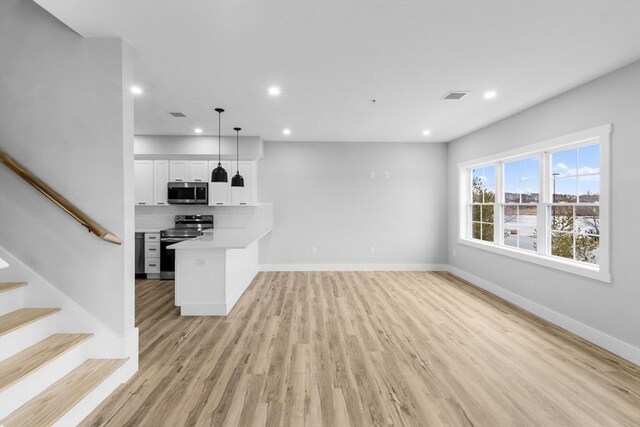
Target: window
x: 483, y: 199
x: 574, y: 211
x: 546, y: 203
x: 520, y: 208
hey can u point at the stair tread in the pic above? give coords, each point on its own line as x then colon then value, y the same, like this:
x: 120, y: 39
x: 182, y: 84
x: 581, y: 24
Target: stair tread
x: 50, y: 405
x: 16, y: 319
x: 8, y: 286
x: 20, y: 365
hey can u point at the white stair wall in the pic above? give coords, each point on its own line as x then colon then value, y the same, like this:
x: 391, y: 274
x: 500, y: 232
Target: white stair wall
x: 106, y: 344
x: 11, y: 300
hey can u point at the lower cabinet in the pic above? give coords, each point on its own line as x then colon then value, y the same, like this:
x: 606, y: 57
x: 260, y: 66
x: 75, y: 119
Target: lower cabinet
x: 152, y: 255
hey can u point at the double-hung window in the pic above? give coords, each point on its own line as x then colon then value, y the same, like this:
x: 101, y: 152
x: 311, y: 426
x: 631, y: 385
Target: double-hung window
x: 547, y: 203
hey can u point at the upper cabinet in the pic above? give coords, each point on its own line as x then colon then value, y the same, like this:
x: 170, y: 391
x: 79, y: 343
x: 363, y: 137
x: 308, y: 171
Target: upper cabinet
x: 243, y: 196
x: 143, y: 176
x: 160, y: 180
x: 219, y: 193
x: 152, y: 176
x: 198, y: 171
x: 178, y: 171
x: 188, y: 171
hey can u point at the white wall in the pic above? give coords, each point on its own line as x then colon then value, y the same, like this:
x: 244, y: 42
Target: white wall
x: 67, y: 115
x: 323, y: 196
x: 613, y: 310
x: 192, y: 146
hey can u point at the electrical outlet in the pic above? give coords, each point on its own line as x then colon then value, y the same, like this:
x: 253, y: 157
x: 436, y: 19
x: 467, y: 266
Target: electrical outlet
x: 373, y: 174
x: 314, y: 250
x: 453, y: 252
x: 201, y: 261
x: 372, y: 250
x: 386, y: 174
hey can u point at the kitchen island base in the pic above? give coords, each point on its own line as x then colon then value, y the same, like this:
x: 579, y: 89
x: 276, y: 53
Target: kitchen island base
x: 209, y: 281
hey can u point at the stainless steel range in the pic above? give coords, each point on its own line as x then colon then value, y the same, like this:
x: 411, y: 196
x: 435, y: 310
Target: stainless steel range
x: 186, y: 227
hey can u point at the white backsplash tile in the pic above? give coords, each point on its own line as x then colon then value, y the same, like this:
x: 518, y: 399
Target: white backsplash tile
x: 162, y: 217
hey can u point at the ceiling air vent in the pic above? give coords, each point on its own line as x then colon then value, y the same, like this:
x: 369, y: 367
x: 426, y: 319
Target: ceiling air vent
x: 178, y: 114
x: 455, y: 95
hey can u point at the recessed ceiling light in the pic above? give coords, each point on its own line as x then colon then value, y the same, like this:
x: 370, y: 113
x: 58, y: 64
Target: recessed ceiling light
x: 136, y: 90
x: 286, y: 131
x: 197, y: 130
x: 426, y: 132
x: 490, y: 94
x: 274, y: 90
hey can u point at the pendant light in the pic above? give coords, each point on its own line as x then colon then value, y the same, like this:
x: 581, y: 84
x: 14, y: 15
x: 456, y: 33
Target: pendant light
x: 237, y: 180
x: 219, y: 174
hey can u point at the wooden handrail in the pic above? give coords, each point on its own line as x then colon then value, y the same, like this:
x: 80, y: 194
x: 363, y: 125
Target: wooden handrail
x: 56, y: 198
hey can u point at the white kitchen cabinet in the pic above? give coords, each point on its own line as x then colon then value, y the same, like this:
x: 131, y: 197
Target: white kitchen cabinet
x: 219, y: 192
x: 152, y: 266
x: 198, y: 171
x: 143, y: 177
x: 152, y: 255
x: 178, y: 171
x: 151, y: 250
x: 160, y: 180
x: 188, y: 170
x: 243, y: 196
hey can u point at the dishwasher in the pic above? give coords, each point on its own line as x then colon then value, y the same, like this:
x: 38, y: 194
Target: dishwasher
x: 140, y: 256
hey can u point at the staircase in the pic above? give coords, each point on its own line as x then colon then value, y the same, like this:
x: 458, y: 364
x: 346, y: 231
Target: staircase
x: 46, y: 378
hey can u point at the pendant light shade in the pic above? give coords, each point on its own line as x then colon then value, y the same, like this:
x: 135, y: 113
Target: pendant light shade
x: 219, y: 174
x: 237, y: 180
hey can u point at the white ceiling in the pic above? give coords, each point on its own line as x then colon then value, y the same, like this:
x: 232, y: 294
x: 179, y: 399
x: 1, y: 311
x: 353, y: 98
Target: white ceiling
x: 331, y: 58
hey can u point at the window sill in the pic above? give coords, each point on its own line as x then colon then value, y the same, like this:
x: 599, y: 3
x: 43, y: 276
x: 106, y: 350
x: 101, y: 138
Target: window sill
x: 592, y: 272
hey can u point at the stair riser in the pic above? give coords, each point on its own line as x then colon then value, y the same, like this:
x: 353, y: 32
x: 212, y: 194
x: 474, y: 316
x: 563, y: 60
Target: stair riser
x: 29, y: 387
x: 16, y: 341
x: 11, y: 300
x: 91, y: 401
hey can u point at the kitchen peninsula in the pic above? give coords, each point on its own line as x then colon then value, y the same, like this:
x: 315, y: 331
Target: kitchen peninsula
x: 214, y: 270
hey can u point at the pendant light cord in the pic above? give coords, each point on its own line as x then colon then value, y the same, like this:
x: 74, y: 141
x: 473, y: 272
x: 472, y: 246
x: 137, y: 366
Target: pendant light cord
x: 237, y: 151
x: 219, y: 149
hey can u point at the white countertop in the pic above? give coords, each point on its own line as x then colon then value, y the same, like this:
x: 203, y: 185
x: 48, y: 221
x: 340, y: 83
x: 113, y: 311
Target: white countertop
x: 223, y: 238
x: 149, y: 230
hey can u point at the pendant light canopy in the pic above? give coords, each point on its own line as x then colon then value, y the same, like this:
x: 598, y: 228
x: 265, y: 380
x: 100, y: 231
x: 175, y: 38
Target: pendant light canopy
x: 237, y: 180
x: 219, y: 174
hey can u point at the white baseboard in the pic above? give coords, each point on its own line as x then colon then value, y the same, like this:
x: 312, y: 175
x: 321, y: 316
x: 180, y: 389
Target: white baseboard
x: 131, y: 352
x: 353, y: 267
x: 614, y: 345
x: 203, y: 310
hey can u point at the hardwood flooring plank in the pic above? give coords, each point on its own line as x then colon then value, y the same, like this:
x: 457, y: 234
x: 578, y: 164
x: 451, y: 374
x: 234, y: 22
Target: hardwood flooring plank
x: 365, y: 349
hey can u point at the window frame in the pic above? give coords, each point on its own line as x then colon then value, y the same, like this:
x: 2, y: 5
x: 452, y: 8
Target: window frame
x: 597, y: 135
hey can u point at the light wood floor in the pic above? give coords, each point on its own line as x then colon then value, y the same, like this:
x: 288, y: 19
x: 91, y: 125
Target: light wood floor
x: 365, y: 349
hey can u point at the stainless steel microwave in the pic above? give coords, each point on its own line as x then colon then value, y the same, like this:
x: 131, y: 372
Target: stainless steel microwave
x: 188, y: 193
